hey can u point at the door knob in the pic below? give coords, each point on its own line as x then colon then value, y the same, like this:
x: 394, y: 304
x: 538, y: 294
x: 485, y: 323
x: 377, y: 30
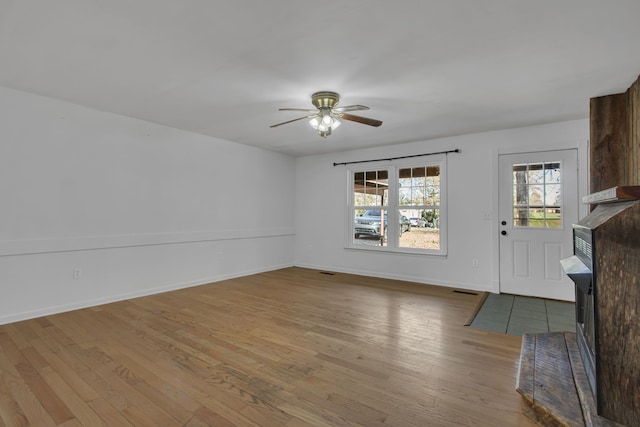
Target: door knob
x: 503, y: 232
x: 504, y: 223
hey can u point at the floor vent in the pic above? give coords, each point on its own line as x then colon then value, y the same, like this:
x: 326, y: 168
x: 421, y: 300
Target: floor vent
x: 466, y: 293
x: 328, y: 273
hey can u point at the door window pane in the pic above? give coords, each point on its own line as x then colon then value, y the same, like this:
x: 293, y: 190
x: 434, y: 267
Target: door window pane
x: 537, y: 195
x: 535, y: 173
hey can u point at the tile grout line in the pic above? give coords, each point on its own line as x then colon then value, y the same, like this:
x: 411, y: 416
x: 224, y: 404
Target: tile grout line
x: 513, y: 301
x: 546, y: 312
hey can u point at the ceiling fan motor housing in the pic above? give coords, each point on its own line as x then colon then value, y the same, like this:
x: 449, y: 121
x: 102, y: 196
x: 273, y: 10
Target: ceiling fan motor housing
x: 325, y: 99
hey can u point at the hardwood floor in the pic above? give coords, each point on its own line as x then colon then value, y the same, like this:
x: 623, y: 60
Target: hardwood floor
x: 293, y: 347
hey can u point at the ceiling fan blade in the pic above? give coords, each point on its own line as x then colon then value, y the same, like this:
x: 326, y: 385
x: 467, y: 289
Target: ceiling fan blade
x: 299, y: 109
x: 291, y: 121
x: 350, y: 108
x: 360, y: 119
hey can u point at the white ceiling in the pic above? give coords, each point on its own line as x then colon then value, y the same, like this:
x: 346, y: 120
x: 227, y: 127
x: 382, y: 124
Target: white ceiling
x: 426, y: 68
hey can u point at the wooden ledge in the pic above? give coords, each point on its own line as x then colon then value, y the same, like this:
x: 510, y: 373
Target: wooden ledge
x: 553, y: 384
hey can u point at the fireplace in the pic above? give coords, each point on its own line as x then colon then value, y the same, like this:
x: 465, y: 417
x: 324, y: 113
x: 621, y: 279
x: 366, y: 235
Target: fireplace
x: 605, y: 268
x: 580, y: 269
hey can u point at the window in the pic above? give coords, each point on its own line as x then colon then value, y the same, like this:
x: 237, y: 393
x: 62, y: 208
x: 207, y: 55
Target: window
x: 537, y: 195
x: 409, y: 196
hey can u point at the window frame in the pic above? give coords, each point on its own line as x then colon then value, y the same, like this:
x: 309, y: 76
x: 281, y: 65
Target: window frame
x: 393, y: 206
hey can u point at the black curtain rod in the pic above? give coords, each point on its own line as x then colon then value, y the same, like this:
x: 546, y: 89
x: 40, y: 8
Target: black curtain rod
x: 457, y: 150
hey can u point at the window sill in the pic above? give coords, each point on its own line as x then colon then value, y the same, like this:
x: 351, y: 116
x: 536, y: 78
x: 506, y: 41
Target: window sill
x: 397, y: 251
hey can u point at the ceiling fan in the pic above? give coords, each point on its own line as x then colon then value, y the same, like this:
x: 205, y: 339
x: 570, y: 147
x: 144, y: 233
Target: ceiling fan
x: 325, y: 117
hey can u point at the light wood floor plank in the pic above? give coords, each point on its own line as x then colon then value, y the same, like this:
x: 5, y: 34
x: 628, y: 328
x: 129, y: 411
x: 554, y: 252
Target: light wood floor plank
x: 22, y: 405
x: 292, y: 347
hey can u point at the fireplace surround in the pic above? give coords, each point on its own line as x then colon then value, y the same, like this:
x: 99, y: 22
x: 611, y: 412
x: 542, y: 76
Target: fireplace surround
x: 606, y: 270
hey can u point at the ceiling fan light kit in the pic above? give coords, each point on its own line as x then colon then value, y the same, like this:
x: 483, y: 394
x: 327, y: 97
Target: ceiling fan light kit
x: 325, y: 117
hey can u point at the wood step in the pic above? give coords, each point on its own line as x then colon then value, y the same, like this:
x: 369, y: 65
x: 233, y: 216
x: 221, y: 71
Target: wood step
x: 553, y: 384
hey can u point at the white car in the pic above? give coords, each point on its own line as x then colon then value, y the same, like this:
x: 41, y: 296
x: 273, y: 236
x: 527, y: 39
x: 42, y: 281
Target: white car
x: 368, y: 225
x: 417, y: 222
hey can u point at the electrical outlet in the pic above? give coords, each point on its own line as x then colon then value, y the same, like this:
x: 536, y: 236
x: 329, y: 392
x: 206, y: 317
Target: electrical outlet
x: 475, y: 263
x: 77, y: 273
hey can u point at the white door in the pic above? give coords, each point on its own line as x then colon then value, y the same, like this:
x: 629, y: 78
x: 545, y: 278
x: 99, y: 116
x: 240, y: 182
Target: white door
x: 538, y: 198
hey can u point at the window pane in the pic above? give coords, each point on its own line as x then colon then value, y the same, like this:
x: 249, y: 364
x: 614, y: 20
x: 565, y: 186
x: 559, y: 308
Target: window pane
x: 404, y: 196
x: 424, y: 182
x: 420, y: 172
x: 367, y: 229
x: 418, y: 182
x: 553, y: 218
x: 412, y: 186
x: 405, y: 182
x: 521, y: 217
x: 537, y: 195
x: 370, y: 188
x: 425, y: 234
x: 535, y: 174
x: 521, y: 195
x: 417, y: 196
x: 372, y: 200
x: 536, y: 217
x: 552, y: 173
x: 433, y: 196
x: 552, y: 195
x: 519, y: 174
x: 404, y: 173
x: 359, y: 199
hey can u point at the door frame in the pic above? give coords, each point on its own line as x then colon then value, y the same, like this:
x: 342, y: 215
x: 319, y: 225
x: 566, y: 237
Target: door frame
x: 583, y: 189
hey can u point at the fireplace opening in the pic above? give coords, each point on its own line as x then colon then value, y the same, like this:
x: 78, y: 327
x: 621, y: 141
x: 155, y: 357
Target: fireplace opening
x: 579, y: 268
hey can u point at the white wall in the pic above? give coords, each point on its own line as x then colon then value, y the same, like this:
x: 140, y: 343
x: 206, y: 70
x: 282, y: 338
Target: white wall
x: 137, y: 207
x: 321, y: 216
x: 140, y: 208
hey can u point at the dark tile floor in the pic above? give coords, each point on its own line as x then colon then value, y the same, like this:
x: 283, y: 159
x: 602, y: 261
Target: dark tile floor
x: 516, y: 315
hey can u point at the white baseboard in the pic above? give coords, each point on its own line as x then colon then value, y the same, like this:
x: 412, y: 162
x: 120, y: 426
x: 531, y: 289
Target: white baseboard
x: 407, y: 278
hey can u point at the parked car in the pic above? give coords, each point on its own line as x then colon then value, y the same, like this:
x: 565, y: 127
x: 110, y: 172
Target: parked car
x: 368, y: 224
x: 417, y: 222
x: 405, y: 224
